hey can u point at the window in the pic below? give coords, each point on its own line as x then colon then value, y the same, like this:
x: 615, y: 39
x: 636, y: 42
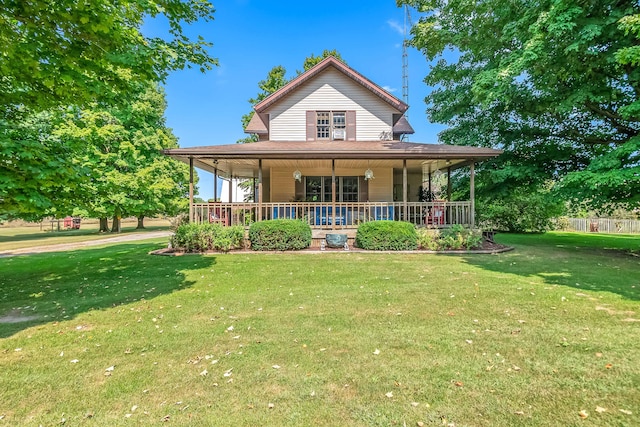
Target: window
x: 318, y: 188
x: 331, y: 125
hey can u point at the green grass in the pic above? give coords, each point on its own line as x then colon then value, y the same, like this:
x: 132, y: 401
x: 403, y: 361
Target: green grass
x: 29, y: 237
x: 525, y: 338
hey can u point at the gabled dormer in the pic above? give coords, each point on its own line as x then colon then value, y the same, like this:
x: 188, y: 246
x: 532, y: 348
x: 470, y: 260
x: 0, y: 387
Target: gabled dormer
x: 330, y: 102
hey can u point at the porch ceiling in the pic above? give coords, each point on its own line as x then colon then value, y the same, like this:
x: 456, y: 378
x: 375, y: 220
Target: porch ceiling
x: 242, y: 160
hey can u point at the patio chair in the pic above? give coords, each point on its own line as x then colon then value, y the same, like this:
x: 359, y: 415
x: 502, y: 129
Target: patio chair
x: 288, y: 212
x: 383, y: 213
x: 435, y: 214
x: 218, y: 215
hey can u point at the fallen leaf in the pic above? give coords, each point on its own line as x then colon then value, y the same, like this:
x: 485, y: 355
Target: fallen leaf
x: 583, y: 414
x: 598, y: 354
x: 608, y: 366
x: 519, y: 413
x: 414, y: 404
x: 75, y: 361
x: 204, y: 373
x: 110, y: 368
x: 389, y: 394
x: 271, y: 406
x: 626, y: 411
x: 600, y: 409
x: 276, y: 366
x: 420, y: 424
x: 458, y: 383
x: 516, y: 368
x: 468, y: 341
x: 376, y: 352
x: 133, y: 408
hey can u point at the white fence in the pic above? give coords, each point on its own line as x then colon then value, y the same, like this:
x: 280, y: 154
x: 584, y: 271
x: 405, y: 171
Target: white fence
x: 604, y: 225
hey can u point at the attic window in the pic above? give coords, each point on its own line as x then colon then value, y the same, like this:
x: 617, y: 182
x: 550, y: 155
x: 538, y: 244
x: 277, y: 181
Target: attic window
x: 331, y: 125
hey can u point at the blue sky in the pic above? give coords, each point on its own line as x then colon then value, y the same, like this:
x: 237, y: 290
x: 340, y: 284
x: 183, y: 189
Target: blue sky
x: 250, y: 37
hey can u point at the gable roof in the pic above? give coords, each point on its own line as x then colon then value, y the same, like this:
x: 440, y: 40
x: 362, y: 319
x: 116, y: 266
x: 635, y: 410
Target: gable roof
x: 330, y: 61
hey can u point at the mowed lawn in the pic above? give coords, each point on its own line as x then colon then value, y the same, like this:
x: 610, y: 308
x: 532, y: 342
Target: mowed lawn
x: 548, y: 334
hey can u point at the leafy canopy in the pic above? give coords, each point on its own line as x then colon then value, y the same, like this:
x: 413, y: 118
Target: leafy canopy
x: 556, y: 84
x: 70, y: 52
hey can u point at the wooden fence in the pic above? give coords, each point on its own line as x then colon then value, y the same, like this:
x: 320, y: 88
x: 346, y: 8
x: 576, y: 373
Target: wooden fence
x: 604, y: 225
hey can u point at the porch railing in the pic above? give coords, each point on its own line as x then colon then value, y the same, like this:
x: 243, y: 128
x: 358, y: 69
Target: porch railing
x: 339, y: 215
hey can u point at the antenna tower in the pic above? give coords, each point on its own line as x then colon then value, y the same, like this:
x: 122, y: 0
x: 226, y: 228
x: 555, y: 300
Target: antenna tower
x: 405, y: 56
x: 405, y: 61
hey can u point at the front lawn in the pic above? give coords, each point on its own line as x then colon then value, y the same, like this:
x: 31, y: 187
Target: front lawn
x: 532, y: 337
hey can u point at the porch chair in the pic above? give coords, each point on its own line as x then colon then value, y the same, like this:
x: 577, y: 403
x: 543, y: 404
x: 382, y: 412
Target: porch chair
x: 218, y: 215
x: 324, y: 215
x: 288, y: 212
x: 383, y: 212
x: 435, y: 214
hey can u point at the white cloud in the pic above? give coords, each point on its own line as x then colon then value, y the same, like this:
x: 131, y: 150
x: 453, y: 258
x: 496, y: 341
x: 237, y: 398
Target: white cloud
x: 397, y: 27
x: 389, y: 89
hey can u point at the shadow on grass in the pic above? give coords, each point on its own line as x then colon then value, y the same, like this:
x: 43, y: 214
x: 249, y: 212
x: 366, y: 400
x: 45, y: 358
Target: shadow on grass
x: 585, y: 262
x: 41, y: 288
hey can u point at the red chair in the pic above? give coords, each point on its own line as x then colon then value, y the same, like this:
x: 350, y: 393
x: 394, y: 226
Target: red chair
x: 218, y: 215
x: 435, y: 215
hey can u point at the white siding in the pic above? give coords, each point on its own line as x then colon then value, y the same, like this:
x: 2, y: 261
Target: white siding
x: 330, y: 91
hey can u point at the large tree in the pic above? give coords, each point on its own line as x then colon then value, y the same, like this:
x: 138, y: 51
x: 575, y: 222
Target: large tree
x: 556, y: 84
x: 126, y: 172
x: 87, y: 55
x: 70, y: 52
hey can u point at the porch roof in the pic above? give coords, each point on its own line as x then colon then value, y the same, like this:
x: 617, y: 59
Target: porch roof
x: 236, y: 157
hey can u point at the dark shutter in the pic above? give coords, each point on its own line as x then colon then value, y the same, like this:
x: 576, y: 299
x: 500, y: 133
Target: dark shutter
x: 311, y: 125
x: 363, y: 189
x: 351, y: 125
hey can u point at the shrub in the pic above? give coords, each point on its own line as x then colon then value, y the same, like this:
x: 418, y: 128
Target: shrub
x: 280, y: 235
x: 206, y: 237
x: 428, y: 238
x: 524, y: 211
x: 453, y: 238
x: 387, y: 235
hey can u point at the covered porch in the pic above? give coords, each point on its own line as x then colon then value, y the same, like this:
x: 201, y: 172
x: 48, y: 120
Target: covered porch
x: 334, y: 185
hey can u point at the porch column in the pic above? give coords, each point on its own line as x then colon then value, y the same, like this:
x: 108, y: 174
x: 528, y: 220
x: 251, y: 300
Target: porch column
x: 448, y: 184
x: 260, y: 190
x: 473, y: 194
x: 449, y: 195
x: 333, y: 194
x: 215, y: 185
x: 191, y: 217
x: 404, y: 190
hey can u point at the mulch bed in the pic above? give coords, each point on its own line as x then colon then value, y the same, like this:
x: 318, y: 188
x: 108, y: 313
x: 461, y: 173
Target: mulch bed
x: 486, y: 248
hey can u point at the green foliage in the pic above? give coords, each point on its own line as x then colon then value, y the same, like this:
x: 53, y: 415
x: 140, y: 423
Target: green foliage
x: 64, y: 52
x: 207, y: 237
x: 386, y: 236
x: 280, y: 235
x: 521, y: 212
x: 455, y: 237
x: 554, y: 84
x: 39, y: 171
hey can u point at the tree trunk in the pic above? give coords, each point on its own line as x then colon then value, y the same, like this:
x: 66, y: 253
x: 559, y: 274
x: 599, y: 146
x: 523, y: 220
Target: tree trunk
x: 115, y: 226
x: 104, y: 225
x: 140, y: 222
